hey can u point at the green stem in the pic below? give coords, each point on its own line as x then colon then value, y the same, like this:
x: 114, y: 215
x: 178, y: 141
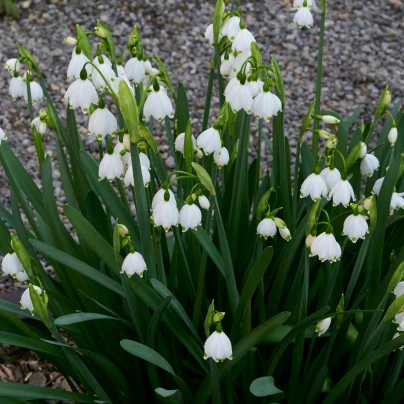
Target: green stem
x: 219, y: 77
x: 208, y: 101
x: 317, y: 106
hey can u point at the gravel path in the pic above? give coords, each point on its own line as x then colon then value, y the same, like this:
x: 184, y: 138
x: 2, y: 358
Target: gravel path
x: 362, y: 54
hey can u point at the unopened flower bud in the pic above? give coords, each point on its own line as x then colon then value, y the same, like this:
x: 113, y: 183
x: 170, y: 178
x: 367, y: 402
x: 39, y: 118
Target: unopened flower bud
x: 70, y: 40
x: 323, y: 325
x: 123, y: 230
x: 324, y: 134
x: 101, y: 32
x: 331, y: 120
x: 198, y: 153
x: 331, y: 142
x: 392, y: 136
x: 309, y: 240
x: 367, y: 203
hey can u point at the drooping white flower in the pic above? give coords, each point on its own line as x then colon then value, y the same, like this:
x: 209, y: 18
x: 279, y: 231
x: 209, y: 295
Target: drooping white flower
x: 81, y: 93
x: 180, y: 142
x: 135, y: 70
x: 303, y: 17
x: 3, y: 136
x: 218, y: 347
x: 300, y: 3
x: 323, y: 325
x: 111, y: 167
x: 326, y: 247
x: 239, y: 96
x: 398, y: 318
x: 133, y: 263
x: 238, y: 63
x: 12, y: 65
x: 125, y: 156
x: 77, y: 63
x: 159, y: 197
x: 256, y: 86
x: 36, y: 92
x: 285, y: 234
x: 165, y: 214
x: 209, y: 34
x: 11, y: 265
x: 364, y: 150
x: 369, y: 165
x: 128, y: 180
x: 102, y: 122
x: 104, y: 61
x: 341, y: 193
x: 266, y: 105
x: 399, y: 289
x: 392, y: 136
x: 203, y: 202
x: 231, y: 28
x: 39, y: 124
x: 266, y: 228
x: 209, y: 140
x: 242, y: 41
x: 98, y: 79
x: 377, y: 186
x: 330, y: 176
x: 190, y: 217
x: 315, y: 186
x: 26, y: 302
x: 144, y: 160
x: 397, y: 201
x: 158, y: 105
x: 21, y: 276
x: 221, y: 157
x: 16, y: 87
x: 227, y: 64
x: 355, y: 227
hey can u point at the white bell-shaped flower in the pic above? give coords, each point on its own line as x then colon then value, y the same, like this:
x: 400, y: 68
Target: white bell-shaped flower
x: 124, y: 154
x: 128, y: 179
x: 102, y: 122
x: 315, y: 186
x: 238, y: 63
x: 399, y: 289
x: 325, y: 247
x: 323, y: 325
x: 221, y: 157
x: 36, y: 92
x: 16, y: 87
x: 231, y: 28
x: 209, y: 140
x: 209, y: 34
x: 330, y: 176
x: 303, y: 18
x: 266, y: 228
x: 158, y: 105
x: 203, y: 202
x: 144, y: 160
x: 21, y: 276
x: 165, y: 215
x: 397, y: 201
x: 190, y: 217
x: 81, y: 93
x: 159, y: 197
x: 266, y: 105
x: 104, y: 61
x: 256, y: 87
x: 12, y: 65
x: 26, y: 302
x: 398, y: 318
x: 377, y: 186
x: 239, y: 95
x: 369, y: 164
x: 11, y: 265
x: 218, y: 347
x: 134, y: 263
x: 341, y: 193
x: 39, y: 124
x: 180, y: 142
x: 364, y: 150
x: 242, y: 41
x: 226, y: 65
x: 101, y: 82
x: 392, y: 136
x: 3, y: 136
x: 77, y: 63
x: 116, y: 80
x: 111, y: 167
x: 135, y: 70
x: 355, y: 227
x: 300, y: 3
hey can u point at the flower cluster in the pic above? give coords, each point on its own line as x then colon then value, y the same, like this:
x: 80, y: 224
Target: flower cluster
x: 11, y: 265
